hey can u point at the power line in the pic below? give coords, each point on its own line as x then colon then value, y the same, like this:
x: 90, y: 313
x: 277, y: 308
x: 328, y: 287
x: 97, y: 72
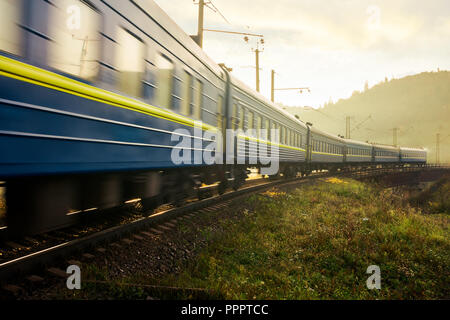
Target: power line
x: 234, y: 32
x: 215, y: 9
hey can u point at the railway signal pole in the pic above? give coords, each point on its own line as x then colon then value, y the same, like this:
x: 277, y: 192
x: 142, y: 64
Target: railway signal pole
x: 272, y: 90
x: 347, y: 128
x: 395, y: 137
x: 257, y: 51
x: 201, y: 17
x: 246, y: 39
x: 438, y: 151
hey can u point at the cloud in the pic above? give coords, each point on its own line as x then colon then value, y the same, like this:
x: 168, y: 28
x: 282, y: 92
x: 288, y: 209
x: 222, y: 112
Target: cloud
x: 334, y: 46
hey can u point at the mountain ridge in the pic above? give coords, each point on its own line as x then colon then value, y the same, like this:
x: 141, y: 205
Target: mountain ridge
x: 416, y: 106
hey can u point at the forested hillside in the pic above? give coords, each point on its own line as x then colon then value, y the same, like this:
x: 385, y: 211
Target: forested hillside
x: 418, y: 105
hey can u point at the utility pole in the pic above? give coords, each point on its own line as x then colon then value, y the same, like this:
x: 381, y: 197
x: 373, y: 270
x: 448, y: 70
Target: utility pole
x: 246, y: 39
x: 257, y: 51
x: 395, y: 136
x: 438, y: 151
x: 272, y: 91
x: 347, y: 128
x: 201, y: 16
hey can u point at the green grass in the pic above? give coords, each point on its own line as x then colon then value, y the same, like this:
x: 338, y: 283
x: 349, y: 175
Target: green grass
x: 435, y: 199
x: 317, y: 243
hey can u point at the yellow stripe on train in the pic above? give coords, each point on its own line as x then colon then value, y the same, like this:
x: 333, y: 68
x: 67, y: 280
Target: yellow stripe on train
x: 31, y: 74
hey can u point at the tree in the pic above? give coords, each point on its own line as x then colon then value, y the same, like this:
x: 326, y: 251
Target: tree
x: 355, y: 93
x: 366, y: 86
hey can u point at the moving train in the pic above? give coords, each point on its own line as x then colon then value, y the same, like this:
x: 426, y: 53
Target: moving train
x: 92, y: 93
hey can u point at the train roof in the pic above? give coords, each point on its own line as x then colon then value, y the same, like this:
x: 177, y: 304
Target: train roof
x: 258, y: 96
x: 356, y: 142
x: 385, y: 146
x: 171, y: 27
x: 326, y: 134
x: 412, y: 149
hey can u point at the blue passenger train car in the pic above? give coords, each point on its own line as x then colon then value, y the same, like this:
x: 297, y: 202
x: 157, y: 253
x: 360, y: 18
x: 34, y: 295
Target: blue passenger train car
x: 96, y: 95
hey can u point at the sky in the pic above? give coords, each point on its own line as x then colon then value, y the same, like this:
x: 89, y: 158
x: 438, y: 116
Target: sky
x: 330, y: 46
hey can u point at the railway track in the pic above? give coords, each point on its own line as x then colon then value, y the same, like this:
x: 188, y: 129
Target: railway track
x: 26, y: 266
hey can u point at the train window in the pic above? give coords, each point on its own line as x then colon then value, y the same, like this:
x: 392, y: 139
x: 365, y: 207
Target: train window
x: 130, y: 63
x: 75, y: 27
x: 250, y: 123
x: 198, y: 99
x: 241, y: 118
x: 275, y: 127
x: 220, y: 113
x: 188, y: 94
x: 165, y: 81
x: 258, y: 126
x: 233, y: 116
x: 10, y: 32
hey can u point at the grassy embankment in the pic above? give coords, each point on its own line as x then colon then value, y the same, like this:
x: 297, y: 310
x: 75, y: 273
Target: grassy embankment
x: 317, y: 243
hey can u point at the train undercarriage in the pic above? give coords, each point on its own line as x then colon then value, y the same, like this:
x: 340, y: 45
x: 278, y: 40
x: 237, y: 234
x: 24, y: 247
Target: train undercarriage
x: 40, y: 204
